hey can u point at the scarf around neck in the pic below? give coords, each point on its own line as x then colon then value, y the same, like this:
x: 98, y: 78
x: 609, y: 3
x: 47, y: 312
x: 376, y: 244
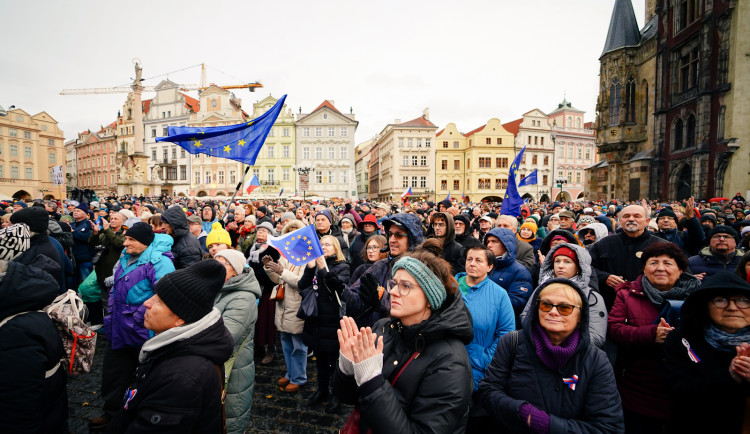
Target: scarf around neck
x: 554, y: 356
x: 724, y: 341
x: 685, y: 285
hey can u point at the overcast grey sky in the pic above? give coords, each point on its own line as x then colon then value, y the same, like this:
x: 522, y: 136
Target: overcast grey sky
x: 468, y: 61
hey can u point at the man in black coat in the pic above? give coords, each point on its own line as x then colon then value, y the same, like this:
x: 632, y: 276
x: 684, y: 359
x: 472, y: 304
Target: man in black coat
x: 453, y: 251
x: 180, y: 377
x: 37, y: 219
x: 33, y: 396
x: 462, y: 226
x: 186, y: 248
x: 616, y: 258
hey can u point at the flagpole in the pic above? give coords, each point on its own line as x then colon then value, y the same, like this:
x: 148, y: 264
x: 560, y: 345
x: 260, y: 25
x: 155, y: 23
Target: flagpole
x: 239, y: 185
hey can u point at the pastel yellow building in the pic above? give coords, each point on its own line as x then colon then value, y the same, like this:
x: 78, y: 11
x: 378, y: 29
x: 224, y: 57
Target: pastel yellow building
x: 30, y: 146
x: 275, y: 163
x: 477, y: 162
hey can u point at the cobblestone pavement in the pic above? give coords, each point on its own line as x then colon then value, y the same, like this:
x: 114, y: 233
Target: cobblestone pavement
x: 273, y: 411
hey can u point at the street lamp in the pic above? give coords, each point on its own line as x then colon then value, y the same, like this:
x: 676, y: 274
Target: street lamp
x: 560, y: 182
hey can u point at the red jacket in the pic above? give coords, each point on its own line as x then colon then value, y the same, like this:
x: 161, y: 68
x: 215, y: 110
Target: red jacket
x: 639, y: 369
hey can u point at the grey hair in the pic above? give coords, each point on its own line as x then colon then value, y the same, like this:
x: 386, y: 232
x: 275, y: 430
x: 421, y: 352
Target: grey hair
x: 512, y: 220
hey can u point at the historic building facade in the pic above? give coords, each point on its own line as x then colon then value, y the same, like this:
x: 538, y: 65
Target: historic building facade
x: 325, y: 145
x: 30, y: 146
x: 362, y: 157
x: 450, y: 161
x: 96, y: 160
x: 168, y: 164
x: 625, y: 106
x: 702, y: 99
x: 575, y: 150
x: 533, y: 130
x: 406, y: 158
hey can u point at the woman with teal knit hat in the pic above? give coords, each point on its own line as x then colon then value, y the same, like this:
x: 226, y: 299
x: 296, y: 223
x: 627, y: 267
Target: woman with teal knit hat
x: 410, y: 372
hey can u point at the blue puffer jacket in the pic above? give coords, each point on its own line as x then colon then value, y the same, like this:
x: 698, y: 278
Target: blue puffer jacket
x: 492, y: 316
x: 133, y: 285
x: 508, y: 273
x: 365, y: 316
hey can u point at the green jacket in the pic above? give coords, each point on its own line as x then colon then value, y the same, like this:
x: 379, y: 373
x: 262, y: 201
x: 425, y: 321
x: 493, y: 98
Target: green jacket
x: 237, y: 302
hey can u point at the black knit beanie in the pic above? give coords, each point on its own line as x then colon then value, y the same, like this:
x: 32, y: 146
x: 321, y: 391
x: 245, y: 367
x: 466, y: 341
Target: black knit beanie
x: 142, y: 233
x: 667, y: 212
x: 35, y: 217
x: 190, y: 292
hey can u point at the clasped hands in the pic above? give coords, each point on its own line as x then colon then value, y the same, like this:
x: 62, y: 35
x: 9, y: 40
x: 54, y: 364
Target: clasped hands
x: 358, y: 345
x: 739, y: 368
x: 271, y: 266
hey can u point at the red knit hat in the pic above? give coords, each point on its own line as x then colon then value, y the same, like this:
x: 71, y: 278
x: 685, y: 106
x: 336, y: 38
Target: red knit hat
x: 566, y: 251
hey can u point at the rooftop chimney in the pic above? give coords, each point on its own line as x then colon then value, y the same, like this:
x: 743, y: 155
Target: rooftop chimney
x: 426, y: 114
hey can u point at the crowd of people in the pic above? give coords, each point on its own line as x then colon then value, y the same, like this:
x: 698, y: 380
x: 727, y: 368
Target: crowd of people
x: 428, y: 317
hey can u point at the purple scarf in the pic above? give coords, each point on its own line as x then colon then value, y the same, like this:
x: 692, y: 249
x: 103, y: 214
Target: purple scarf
x: 554, y: 356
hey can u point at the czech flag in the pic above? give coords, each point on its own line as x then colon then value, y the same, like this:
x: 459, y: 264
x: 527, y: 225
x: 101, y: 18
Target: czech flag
x: 281, y: 192
x: 251, y: 184
x: 407, y: 192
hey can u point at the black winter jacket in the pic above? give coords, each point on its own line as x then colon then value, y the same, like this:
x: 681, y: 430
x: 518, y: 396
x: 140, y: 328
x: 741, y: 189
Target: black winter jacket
x: 29, y: 347
x: 356, y: 249
x: 177, y: 387
x: 41, y: 245
x: 434, y: 391
x: 593, y: 407
x: 113, y: 243
x: 703, y: 388
x: 320, y: 332
x: 186, y: 248
x: 619, y: 254
x: 453, y: 251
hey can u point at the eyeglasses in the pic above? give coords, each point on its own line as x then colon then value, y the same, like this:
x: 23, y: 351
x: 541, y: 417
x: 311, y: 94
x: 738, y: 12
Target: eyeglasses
x: 404, y: 288
x: 723, y: 302
x: 563, y: 309
x: 397, y: 235
x: 373, y: 248
x: 722, y: 237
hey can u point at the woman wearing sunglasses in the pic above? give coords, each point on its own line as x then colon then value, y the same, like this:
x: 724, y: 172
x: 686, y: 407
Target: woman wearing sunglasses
x: 636, y: 327
x: 709, y: 357
x: 552, y: 379
x: 410, y: 372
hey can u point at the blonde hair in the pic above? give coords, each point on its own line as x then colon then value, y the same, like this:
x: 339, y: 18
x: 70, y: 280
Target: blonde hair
x: 570, y: 292
x: 336, y: 246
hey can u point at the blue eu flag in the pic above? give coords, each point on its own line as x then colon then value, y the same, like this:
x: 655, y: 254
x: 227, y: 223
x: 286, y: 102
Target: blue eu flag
x: 512, y: 201
x: 241, y: 142
x: 530, y: 179
x: 298, y: 247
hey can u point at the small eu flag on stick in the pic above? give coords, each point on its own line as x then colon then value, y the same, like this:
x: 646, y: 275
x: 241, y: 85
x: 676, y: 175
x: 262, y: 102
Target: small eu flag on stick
x: 298, y: 247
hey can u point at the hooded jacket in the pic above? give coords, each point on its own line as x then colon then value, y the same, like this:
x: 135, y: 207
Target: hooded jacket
x: 517, y: 377
x: 453, y: 251
x: 704, y: 387
x: 133, y: 284
x: 208, y: 225
x: 690, y: 240
x: 586, y: 280
x: 237, y: 302
x: 600, y: 231
x: 466, y: 239
x: 509, y: 274
x: 547, y: 241
x: 434, y: 391
x: 186, y: 248
x: 29, y: 347
x: 710, y: 263
x: 364, y: 315
x: 41, y: 245
x: 177, y: 387
x: 491, y: 316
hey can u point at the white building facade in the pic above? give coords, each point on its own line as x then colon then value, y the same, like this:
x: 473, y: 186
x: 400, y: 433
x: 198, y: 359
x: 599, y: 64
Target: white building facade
x: 325, y: 144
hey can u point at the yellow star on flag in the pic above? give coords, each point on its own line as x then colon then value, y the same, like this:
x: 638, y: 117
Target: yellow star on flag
x: 197, y: 143
x: 241, y: 143
x: 309, y: 248
x: 304, y: 238
x: 308, y: 253
x: 287, y: 243
x: 227, y: 148
x: 309, y: 242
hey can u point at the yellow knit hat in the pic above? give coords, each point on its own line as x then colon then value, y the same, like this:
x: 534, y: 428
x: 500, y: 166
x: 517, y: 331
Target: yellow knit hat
x: 218, y: 235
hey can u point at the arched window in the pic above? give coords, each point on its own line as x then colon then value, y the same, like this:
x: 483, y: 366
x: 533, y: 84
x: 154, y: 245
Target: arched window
x: 630, y: 100
x: 578, y: 123
x: 677, y: 135
x: 690, y: 131
x: 614, y: 102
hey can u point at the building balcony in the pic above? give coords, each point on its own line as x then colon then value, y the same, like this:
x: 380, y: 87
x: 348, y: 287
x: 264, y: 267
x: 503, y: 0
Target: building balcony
x: 270, y: 182
x: 166, y: 162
